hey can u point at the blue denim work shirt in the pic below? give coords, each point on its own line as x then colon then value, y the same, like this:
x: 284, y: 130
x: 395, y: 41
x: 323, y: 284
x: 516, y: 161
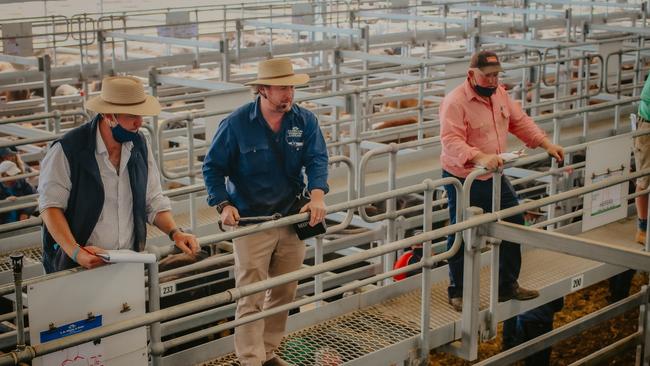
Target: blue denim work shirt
x: 242, y: 167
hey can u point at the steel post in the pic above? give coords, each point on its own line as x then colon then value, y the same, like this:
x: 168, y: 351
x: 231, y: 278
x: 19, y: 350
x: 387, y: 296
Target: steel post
x: 391, y: 207
x: 494, y: 256
x: 318, y: 259
x: 153, y: 87
x: 157, y: 347
x: 425, y: 309
x: 471, y: 288
x: 100, y: 50
x: 17, y: 266
x: 45, y: 66
x: 191, y: 172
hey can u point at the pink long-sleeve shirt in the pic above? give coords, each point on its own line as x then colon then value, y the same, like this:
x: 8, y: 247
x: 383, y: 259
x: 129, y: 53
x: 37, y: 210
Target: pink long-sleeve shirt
x: 469, y: 124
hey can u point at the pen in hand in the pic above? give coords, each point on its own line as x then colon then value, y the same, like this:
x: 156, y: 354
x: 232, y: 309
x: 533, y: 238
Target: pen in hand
x: 87, y: 250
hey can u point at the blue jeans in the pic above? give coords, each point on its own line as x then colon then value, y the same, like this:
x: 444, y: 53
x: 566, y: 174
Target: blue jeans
x: 530, y: 330
x: 509, y: 254
x: 529, y: 325
x: 619, y: 286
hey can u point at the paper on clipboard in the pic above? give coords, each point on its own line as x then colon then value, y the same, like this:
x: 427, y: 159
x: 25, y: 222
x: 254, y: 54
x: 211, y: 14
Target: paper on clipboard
x: 126, y: 256
x: 509, y: 156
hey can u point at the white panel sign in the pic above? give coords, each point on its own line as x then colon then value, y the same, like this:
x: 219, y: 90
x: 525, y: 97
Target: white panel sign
x: 86, y: 300
x: 606, y: 159
x: 302, y: 14
x: 178, y: 26
x: 399, y: 6
x: 167, y: 289
x: 577, y: 282
x: 17, y: 39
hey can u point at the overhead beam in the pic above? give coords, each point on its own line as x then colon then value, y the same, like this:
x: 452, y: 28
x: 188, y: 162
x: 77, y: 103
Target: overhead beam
x: 24, y: 1
x: 164, y: 40
x: 303, y: 28
x: 537, y: 43
x: 572, y: 245
x: 329, y: 101
x: 28, y: 61
x: 601, y: 4
x: 621, y: 29
x: 398, y: 60
x: 201, y: 84
x: 421, y: 18
x: 507, y: 10
x: 91, y: 71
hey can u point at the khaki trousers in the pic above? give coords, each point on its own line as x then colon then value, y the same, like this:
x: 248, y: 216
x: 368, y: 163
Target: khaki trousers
x: 257, y: 257
x: 642, y: 152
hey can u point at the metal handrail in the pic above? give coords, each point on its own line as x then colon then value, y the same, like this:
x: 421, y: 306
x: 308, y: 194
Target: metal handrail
x: 36, y: 221
x: 391, y: 148
x: 619, y: 72
x: 236, y: 293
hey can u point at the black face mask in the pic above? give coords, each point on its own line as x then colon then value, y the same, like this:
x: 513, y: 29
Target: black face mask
x: 484, y: 91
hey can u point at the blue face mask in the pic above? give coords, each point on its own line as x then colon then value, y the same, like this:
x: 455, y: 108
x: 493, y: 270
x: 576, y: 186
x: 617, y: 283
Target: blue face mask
x: 121, y: 134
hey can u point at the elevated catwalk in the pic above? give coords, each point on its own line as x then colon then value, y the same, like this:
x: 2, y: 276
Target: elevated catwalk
x: 376, y: 328
x: 413, y: 167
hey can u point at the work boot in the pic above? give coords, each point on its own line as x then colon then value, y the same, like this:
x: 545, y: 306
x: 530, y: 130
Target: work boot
x: 276, y: 361
x: 456, y: 303
x: 640, y: 237
x: 519, y: 293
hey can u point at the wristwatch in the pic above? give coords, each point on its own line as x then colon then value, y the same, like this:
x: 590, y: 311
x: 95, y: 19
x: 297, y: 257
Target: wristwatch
x: 222, y: 205
x: 174, y: 231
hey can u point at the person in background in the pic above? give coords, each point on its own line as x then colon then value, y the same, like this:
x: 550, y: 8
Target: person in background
x: 11, y: 154
x: 10, y: 189
x: 531, y: 324
x: 642, y: 161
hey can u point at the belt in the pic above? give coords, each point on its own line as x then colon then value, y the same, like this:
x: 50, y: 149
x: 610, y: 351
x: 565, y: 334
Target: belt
x: 245, y: 221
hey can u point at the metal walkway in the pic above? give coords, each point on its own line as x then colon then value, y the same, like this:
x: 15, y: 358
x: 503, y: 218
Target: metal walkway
x: 356, y: 335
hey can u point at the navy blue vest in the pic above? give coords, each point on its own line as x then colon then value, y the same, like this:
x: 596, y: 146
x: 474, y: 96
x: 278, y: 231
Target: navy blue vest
x: 87, y: 193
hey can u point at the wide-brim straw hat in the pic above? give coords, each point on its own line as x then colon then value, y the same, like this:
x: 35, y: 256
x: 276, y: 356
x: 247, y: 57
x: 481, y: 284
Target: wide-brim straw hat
x: 124, y: 94
x: 278, y: 71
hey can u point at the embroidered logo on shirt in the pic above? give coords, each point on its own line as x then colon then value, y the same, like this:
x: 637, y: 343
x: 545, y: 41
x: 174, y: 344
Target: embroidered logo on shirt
x: 294, y: 137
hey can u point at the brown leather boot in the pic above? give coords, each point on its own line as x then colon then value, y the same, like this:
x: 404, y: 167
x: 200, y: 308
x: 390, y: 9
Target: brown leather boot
x: 640, y: 237
x: 276, y: 361
x: 519, y: 293
x: 456, y: 303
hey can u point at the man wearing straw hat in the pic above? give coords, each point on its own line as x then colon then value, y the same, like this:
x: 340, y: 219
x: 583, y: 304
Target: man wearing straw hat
x: 475, y: 119
x: 262, y: 149
x: 99, y: 184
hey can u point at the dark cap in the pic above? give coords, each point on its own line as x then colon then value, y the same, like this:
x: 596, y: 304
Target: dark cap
x: 5, y: 151
x: 486, y: 61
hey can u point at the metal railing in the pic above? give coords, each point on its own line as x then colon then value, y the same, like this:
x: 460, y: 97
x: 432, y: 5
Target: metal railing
x: 641, y: 261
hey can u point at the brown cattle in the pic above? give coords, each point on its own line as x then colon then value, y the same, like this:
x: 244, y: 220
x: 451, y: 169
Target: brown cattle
x: 406, y: 103
x: 395, y: 105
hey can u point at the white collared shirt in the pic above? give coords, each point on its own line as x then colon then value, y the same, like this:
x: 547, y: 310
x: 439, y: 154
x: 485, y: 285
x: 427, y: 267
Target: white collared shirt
x: 114, y: 229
